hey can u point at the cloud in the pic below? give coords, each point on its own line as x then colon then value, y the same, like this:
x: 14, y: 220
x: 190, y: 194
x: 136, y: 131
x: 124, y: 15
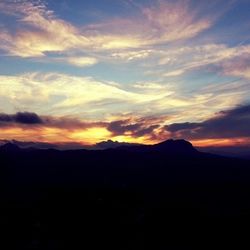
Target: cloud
x: 133, y: 128
x: 174, y: 21
x: 132, y: 55
x: 27, y: 126
x: 238, y: 66
x: 226, y: 124
x: 121, y: 127
x: 175, y: 73
x: 96, y: 100
x: 37, y: 35
x: 159, y: 23
x: 63, y: 94
x: 81, y: 61
x: 129, y: 39
x: 229, y: 127
x: 21, y: 117
x: 176, y: 62
x: 57, y: 130
x: 30, y: 119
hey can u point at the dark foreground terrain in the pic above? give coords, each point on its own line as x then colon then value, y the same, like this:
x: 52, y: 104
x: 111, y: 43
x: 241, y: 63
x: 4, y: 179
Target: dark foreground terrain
x: 166, y: 196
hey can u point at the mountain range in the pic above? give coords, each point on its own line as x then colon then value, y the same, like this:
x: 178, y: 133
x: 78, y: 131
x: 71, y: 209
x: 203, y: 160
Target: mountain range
x: 163, y: 196
x: 228, y: 151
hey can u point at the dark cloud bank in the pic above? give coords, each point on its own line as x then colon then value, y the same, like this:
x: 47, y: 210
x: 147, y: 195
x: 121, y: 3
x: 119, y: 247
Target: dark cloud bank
x: 20, y: 117
x: 226, y: 124
x: 136, y: 129
x: 33, y: 120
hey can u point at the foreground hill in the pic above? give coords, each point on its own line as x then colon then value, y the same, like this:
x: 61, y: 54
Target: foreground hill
x: 163, y: 196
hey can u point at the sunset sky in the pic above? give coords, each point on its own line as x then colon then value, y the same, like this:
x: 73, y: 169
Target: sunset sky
x: 127, y: 70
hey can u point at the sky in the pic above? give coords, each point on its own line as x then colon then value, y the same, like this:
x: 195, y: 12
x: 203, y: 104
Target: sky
x: 128, y: 70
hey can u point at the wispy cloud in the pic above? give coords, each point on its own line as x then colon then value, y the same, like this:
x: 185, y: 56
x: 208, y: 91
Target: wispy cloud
x: 178, y: 61
x: 66, y: 94
x: 238, y: 66
x: 94, y: 100
x: 42, y: 31
x: 132, y: 55
x: 79, y: 61
x: 86, y: 97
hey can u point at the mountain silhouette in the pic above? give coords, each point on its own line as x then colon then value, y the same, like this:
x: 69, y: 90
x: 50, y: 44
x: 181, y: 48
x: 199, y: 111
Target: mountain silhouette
x: 175, y: 145
x: 162, y: 196
x: 112, y: 144
x: 10, y: 147
x: 169, y: 147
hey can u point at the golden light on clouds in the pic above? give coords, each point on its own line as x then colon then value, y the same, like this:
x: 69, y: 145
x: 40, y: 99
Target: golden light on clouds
x: 87, y: 136
x: 90, y: 136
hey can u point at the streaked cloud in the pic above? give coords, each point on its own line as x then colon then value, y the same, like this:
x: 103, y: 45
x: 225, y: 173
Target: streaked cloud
x: 178, y: 61
x: 90, y: 99
x: 37, y: 35
x: 62, y: 94
x: 129, y: 39
x: 160, y: 23
x: 65, y: 94
x: 174, y: 21
x: 132, y: 55
x: 238, y: 66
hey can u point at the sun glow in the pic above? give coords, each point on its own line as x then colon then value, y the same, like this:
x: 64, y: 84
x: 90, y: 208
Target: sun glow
x: 90, y: 135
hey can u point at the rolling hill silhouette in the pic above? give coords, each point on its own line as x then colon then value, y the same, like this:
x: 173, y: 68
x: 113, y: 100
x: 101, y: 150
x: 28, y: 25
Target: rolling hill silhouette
x: 162, y: 196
